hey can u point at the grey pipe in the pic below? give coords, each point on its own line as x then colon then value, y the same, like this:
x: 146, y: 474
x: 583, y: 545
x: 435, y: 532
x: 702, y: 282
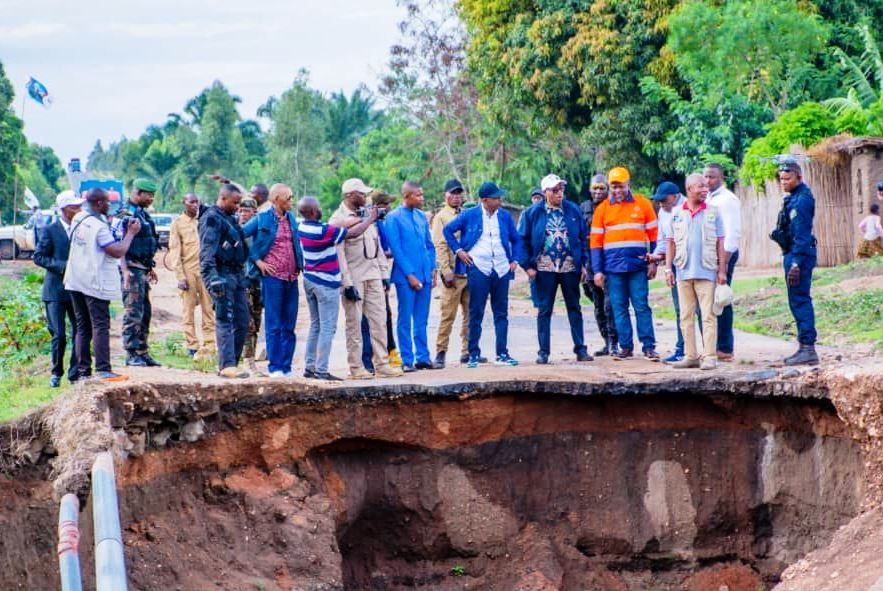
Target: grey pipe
x: 110, y: 566
x: 69, y: 543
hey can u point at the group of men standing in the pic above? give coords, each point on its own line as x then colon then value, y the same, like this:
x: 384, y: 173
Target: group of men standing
x: 245, y: 254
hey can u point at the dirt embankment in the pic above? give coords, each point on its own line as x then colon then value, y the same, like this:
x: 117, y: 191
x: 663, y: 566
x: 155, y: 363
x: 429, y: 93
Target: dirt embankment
x: 690, y: 484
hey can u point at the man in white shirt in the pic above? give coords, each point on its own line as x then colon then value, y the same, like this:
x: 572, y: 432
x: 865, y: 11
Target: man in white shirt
x: 730, y: 209
x: 486, y: 240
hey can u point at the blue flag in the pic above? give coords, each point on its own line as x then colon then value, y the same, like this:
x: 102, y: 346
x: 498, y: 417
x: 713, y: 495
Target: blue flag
x: 38, y: 92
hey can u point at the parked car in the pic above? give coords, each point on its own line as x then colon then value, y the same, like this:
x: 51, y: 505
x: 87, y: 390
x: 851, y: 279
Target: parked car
x: 163, y: 223
x: 20, y: 241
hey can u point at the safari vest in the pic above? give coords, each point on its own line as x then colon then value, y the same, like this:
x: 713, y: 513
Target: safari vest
x: 90, y: 270
x: 681, y: 221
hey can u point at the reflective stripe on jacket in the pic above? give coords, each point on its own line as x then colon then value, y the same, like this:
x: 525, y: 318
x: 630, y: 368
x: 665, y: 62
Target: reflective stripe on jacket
x: 621, y: 235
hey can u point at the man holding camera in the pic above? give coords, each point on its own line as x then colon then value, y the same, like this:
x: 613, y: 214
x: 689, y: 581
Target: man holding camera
x: 363, y: 266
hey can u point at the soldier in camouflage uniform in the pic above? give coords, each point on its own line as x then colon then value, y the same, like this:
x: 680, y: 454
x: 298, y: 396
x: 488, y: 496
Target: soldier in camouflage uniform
x: 247, y: 210
x: 137, y: 273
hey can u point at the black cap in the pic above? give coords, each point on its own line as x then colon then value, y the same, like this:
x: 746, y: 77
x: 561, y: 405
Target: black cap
x: 880, y: 186
x: 453, y: 185
x: 536, y: 191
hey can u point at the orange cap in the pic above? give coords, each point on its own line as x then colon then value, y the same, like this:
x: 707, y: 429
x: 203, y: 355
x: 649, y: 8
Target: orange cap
x: 620, y: 174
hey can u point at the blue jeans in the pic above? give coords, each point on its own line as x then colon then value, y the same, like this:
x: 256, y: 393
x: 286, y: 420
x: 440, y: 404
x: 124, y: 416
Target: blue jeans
x: 481, y: 287
x: 324, y: 304
x: 725, y: 320
x: 280, y: 316
x: 547, y: 287
x: 413, y: 317
x: 623, y: 288
x: 800, y: 300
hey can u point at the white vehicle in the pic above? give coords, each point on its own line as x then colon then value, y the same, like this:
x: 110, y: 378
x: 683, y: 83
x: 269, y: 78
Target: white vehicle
x: 20, y: 242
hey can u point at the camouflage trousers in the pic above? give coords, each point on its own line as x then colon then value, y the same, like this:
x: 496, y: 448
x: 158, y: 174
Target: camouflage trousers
x: 136, y: 318
x: 255, y: 308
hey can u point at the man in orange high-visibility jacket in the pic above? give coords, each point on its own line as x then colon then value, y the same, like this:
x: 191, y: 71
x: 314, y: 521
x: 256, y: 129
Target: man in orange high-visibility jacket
x: 624, y: 231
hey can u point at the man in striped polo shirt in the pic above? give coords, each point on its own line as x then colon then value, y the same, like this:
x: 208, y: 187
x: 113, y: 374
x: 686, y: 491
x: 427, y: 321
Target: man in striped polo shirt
x: 322, y: 281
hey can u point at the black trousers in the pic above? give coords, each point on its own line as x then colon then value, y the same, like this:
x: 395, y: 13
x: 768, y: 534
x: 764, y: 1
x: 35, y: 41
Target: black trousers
x: 603, y: 311
x: 56, y: 312
x: 93, y: 327
x: 231, y: 319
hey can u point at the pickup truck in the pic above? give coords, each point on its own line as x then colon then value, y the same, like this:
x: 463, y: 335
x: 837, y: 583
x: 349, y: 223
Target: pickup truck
x: 20, y: 242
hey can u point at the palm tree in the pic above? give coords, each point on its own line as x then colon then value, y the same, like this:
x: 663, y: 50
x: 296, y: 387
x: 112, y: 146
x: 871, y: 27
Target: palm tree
x: 348, y: 119
x: 864, y: 76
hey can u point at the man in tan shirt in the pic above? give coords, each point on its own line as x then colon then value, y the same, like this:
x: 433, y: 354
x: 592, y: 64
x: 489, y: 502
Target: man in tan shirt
x: 363, y: 267
x: 184, y: 253
x: 452, y: 272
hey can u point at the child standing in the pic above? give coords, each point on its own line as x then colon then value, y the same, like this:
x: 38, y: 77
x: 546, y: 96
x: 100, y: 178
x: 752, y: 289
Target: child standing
x: 872, y: 235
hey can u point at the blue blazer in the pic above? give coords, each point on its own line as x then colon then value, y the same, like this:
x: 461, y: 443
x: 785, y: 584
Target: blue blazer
x: 262, y: 229
x: 532, y: 229
x: 413, y: 253
x: 470, y: 224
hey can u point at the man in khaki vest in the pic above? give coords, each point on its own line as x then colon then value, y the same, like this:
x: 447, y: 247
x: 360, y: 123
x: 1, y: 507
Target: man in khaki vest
x: 184, y: 253
x: 696, y: 249
x: 363, y: 267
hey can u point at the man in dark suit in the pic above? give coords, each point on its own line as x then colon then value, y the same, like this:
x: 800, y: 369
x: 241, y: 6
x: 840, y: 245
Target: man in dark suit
x: 53, y: 244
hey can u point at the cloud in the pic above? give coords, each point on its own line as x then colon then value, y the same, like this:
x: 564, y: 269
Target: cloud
x: 29, y: 31
x: 179, y: 30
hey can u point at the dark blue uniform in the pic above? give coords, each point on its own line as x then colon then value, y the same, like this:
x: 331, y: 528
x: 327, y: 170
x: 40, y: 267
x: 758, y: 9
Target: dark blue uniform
x: 223, y: 253
x: 800, y: 207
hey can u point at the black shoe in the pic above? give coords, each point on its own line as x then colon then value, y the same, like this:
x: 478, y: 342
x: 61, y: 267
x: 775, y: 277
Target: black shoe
x: 651, y: 355
x: 613, y: 347
x: 425, y: 365
x: 465, y: 359
x: 55, y: 381
x: 136, y: 360
x: 151, y: 362
x: 584, y: 356
x: 542, y: 359
x: 806, y: 355
x: 440, y: 360
x: 191, y: 352
x: 603, y: 351
x: 623, y: 354
x: 327, y: 376
x: 309, y: 374
x: 408, y: 369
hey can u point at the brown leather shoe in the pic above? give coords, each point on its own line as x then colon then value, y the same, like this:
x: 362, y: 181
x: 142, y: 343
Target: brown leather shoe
x: 725, y: 357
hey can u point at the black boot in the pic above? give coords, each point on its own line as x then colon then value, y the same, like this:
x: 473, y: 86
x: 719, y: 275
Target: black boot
x: 440, y: 360
x: 806, y: 355
x: 605, y: 350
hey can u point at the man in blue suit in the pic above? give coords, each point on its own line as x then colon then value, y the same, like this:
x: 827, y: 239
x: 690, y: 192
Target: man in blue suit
x: 413, y: 274
x: 490, y: 247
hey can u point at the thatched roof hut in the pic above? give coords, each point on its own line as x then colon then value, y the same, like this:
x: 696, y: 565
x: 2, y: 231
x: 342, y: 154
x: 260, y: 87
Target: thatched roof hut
x: 842, y: 172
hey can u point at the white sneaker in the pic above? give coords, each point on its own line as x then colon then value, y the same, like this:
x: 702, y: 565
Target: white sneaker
x: 709, y: 363
x: 277, y: 374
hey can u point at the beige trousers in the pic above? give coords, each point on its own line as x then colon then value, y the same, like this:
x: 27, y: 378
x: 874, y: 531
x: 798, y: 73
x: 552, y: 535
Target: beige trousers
x: 451, y: 299
x: 690, y: 293
x: 373, y: 306
x: 190, y: 298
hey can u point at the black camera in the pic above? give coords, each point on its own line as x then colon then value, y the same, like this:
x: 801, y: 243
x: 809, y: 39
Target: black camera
x: 365, y: 211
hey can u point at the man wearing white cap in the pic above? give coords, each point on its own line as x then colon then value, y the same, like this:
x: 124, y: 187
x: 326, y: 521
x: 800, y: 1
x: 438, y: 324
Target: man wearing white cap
x: 363, y: 267
x: 53, y: 245
x: 556, y: 254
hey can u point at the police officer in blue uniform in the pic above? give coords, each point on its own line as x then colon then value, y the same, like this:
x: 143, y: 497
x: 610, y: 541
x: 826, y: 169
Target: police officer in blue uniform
x: 223, y: 253
x: 794, y: 234
x: 137, y: 273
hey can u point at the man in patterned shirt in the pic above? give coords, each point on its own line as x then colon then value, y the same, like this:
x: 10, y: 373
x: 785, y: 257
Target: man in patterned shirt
x: 555, y: 241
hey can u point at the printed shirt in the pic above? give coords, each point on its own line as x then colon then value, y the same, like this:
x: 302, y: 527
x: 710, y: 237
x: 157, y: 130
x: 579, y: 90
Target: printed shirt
x: 694, y: 269
x: 281, y: 254
x: 489, y: 254
x: 318, y: 242
x: 556, y: 256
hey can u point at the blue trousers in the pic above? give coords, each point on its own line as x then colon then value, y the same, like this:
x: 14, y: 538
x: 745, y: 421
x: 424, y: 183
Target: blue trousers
x: 725, y: 338
x: 231, y: 319
x: 623, y: 288
x: 412, y: 320
x: 280, y: 316
x: 547, y: 287
x: 482, y: 287
x: 800, y: 300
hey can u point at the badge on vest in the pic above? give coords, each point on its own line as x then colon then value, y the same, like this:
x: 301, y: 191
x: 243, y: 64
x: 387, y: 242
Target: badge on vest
x: 793, y: 214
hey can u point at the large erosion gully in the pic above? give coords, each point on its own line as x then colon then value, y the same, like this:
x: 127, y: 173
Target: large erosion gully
x: 626, y: 485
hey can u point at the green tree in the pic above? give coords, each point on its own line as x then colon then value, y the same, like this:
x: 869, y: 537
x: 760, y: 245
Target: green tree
x: 348, y: 119
x: 49, y: 166
x: 13, y: 148
x: 220, y: 148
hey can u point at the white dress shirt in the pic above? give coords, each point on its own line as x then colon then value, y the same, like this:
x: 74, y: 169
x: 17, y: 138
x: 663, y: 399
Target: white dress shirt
x: 66, y: 226
x: 488, y: 253
x: 730, y: 209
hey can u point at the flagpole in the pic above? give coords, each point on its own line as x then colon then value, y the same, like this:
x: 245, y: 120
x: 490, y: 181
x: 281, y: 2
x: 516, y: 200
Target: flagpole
x: 17, y: 167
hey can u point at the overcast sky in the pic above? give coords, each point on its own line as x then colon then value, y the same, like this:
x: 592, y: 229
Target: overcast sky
x: 115, y: 66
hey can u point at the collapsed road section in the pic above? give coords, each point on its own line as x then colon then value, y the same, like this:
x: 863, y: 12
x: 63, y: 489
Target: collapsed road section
x: 665, y: 485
